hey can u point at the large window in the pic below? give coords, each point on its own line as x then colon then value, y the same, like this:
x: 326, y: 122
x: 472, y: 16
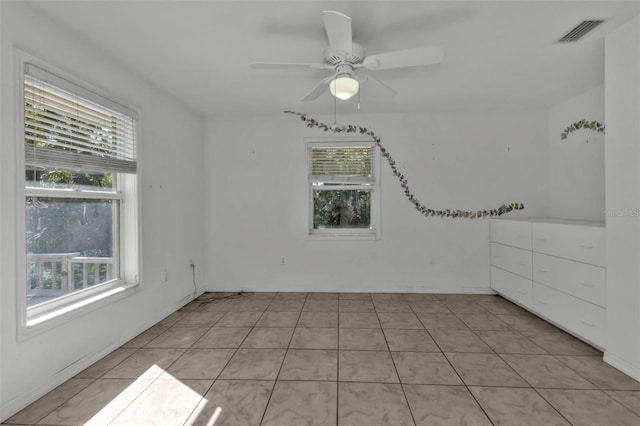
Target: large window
x: 80, y: 197
x: 342, y: 188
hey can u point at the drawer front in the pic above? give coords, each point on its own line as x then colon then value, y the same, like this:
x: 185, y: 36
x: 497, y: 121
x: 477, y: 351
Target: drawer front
x: 512, y: 286
x: 582, y: 243
x: 586, y: 282
x: 512, y: 259
x: 511, y: 233
x: 582, y: 318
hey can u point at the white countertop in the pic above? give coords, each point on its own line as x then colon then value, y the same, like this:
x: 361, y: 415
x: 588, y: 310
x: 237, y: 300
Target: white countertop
x: 556, y: 220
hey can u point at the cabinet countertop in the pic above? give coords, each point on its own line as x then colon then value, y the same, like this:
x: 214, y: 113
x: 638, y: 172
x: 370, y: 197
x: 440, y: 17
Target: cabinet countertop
x: 554, y: 220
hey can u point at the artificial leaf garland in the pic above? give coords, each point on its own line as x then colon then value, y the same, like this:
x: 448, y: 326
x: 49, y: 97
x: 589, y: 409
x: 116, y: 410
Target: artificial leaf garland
x: 350, y: 128
x: 596, y: 126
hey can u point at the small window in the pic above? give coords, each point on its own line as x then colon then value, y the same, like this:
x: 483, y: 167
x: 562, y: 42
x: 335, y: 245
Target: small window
x: 343, y: 188
x: 80, y: 193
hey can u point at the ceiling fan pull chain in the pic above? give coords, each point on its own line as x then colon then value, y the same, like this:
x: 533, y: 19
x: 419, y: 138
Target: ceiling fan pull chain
x: 335, y: 108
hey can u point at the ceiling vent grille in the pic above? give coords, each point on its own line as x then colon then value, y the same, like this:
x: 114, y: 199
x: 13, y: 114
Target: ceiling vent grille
x: 582, y: 29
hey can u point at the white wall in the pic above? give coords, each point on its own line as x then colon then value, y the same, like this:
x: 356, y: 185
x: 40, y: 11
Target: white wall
x: 622, y: 106
x: 576, y: 164
x: 256, y: 201
x: 172, y: 212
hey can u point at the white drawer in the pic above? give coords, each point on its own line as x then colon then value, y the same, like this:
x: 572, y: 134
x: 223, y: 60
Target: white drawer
x: 512, y: 286
x: 586, y: 320
x: 577, y: 242
x: 512, y: 233
x: 582, y: 280
x: 512, y: 259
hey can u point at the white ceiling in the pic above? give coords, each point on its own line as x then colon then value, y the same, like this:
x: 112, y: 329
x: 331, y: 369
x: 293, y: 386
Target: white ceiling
x: 498, y: 54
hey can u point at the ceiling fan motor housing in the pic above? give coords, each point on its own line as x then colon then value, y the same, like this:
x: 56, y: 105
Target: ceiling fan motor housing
x: 337, y: 57
x: 344, y: 70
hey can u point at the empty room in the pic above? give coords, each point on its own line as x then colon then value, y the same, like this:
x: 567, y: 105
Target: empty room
x: 319, y: 213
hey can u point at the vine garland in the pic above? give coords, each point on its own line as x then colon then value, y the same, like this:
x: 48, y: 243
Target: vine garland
x: 350, y: 128
x: 596, y: 126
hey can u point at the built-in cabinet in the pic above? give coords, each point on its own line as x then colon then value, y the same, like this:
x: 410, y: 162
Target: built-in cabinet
x: 555, y: 269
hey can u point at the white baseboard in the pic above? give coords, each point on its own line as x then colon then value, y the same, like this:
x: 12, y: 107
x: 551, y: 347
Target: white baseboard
x: 342, y: 289
x: 630, y: 370
x: 23, y: 400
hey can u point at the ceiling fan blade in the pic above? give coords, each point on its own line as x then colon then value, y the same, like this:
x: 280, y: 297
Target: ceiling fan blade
x: 320, y: 87
x: 286, y: 66
x: 368, y: 77
x: 338, y: 26
x: 425, y: 55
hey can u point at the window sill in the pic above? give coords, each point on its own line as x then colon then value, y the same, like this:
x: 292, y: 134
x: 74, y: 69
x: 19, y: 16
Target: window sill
x: 342, y: 237
x: 41, y: 322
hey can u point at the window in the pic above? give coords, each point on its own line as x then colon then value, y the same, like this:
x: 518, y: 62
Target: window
x: 80, y: 193
x: 343, y: 189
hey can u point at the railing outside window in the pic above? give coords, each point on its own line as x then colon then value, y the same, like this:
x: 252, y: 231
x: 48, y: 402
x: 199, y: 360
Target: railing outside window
x: 51, y: 275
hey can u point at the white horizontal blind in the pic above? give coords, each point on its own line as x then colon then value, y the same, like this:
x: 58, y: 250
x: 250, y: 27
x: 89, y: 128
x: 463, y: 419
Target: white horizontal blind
x: 341, y: 164
x: 65, y: 130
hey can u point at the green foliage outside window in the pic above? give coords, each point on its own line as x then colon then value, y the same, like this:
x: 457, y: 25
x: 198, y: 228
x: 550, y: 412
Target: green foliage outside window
x: 341, y: 209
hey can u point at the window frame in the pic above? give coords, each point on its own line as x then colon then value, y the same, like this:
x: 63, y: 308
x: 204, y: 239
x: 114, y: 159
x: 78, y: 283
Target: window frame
x: 49, y: 314
x: 345, y: 234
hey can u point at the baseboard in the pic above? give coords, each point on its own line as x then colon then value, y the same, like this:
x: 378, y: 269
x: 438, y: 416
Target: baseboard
x: 22, y: 401
x: 630, y: 370
x: 343, y: 289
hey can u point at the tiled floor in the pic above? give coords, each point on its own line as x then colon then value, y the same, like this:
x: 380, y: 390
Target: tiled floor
x: 347, y: 359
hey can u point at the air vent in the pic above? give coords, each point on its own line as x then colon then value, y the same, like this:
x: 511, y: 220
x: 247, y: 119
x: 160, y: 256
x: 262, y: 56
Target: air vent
x: 582, y: 29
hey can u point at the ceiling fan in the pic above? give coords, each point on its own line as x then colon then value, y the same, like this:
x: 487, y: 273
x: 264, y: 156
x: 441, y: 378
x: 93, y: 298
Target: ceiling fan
x: 347, y: 58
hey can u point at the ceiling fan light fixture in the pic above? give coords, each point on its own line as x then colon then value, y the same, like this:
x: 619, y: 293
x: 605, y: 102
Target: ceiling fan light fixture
x: 344, y: 87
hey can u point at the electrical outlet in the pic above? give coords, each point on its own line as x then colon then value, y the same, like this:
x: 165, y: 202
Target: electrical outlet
x: 165, y: 276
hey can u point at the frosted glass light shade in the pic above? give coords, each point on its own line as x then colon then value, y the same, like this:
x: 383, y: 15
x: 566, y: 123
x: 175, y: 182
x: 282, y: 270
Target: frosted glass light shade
x: 344, y: 87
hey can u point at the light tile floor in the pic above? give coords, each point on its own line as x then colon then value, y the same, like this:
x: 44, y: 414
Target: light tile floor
x: 346, y: 359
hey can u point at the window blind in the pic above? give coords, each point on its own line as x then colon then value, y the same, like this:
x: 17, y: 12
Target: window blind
x: 341, y: 164
x: 69, y: 127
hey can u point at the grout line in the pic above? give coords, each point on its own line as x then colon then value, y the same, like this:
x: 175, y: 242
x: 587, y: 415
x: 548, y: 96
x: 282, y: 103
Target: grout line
x: 338, y: 367
x: 151, y: 382
x: 471, y: 393
x: 456, y: 371
x: 576, y: 372
x: 275, y: 380
x: 551, y: 405
x: 396, y: 383
x: 404, y: 393
x: 624, y: 404
x: 221, y: 370
x: 154, y: 380
x: 42, y: 416
x: 102, y: 375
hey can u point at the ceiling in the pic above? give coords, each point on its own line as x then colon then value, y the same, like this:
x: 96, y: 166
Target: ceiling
x: 498, y: 54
